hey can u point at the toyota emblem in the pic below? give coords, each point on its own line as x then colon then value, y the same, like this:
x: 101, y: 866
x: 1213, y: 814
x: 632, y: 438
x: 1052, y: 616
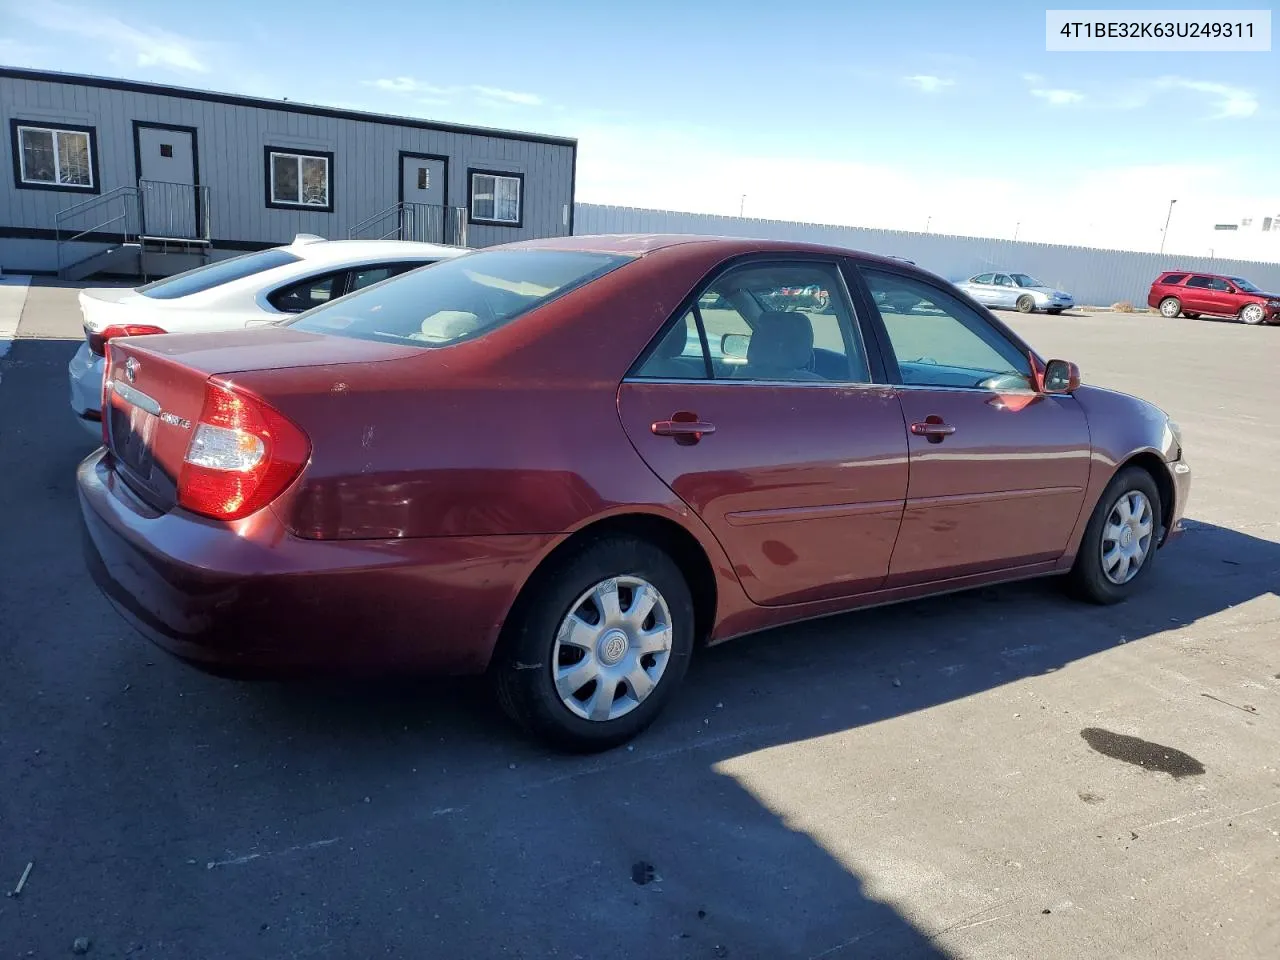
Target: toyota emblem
x: 131, y: 367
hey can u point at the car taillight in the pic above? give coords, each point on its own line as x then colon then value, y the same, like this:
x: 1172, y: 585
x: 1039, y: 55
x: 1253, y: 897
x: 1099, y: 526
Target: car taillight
x: 104, y: 407
x: 98, y: 341
x: 242, y: 456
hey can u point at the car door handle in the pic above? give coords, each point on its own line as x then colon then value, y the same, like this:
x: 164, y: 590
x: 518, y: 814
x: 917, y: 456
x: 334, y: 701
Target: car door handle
x: 933, y: 428
x: 683, y: 430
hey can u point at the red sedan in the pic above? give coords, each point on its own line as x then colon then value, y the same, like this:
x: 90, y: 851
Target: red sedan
x: 569, y: 462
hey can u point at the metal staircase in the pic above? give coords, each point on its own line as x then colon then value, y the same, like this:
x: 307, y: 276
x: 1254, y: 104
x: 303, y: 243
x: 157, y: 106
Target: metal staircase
x: 420, y: 222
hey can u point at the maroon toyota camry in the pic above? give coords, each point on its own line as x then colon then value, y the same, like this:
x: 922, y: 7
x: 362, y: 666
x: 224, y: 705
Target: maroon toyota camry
x: 571, y: 462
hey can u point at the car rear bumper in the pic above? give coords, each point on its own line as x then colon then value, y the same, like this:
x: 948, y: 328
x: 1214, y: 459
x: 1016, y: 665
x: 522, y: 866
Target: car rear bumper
x: 249, y: 599
x: 84, y: 375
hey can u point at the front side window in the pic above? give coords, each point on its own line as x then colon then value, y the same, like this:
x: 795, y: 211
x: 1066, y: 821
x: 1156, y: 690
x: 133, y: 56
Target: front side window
x: 297, y: 179
x: 1003, y: 281
x: 1217, y: 283
x: 940, y: 342
x: 55, y: 158
x: 778, y: 322
x: 215, y: 274
x: 497, y: 197
x: 458, y: 299
x: 1022, y: 280
x: 986, y: 278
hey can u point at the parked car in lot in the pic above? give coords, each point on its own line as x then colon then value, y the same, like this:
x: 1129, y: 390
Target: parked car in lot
x: 256, y: 288
x: 552, y: 461
x: 1016, y: 291
x: 1194, y: 295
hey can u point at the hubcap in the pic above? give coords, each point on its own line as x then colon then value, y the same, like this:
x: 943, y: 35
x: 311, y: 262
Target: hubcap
x: 1126, y: 537
x: 1252, y: 313
x: 1169, y: 308
x: 612, y: 648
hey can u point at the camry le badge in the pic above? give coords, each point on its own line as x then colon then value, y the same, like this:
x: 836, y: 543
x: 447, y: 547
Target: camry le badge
x: 174, y: 420
x: 131, y: 368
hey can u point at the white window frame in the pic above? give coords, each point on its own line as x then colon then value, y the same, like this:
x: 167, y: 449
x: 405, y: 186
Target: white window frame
x: 56, y: 183
x: 298, y: 156
x: 496, y: 176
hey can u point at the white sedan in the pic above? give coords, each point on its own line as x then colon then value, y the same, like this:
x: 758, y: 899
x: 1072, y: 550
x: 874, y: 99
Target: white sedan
x: 250, y: 290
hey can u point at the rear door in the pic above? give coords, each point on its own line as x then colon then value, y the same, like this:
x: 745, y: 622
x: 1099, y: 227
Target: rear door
x: 1196, y: 295
x: 982, y: 288
x: 997, y: 471
x: 786, y: 449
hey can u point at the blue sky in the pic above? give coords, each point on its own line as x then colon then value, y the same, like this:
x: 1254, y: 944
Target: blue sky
x: 945, y: 113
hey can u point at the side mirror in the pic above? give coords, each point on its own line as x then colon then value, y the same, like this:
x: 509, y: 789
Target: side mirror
x: 734, y: 345
x: 1059, y: 377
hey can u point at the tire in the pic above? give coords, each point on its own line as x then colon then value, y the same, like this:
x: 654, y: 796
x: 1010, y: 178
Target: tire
x: 1170, y: 307
x: 1253, y: 314
x: 1089, y: 578
x: 1026, y: 304
x: 531, y: 652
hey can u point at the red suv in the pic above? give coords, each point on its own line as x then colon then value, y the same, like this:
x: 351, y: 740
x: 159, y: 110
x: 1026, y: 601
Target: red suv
x: 1195, y: 294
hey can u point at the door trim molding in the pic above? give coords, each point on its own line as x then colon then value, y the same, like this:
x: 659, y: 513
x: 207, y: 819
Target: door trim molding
x: 138, y: 126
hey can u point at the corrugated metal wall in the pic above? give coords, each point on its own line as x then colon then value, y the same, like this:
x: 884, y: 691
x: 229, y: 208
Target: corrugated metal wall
x: 364, y: 179
x: 1093, y: 276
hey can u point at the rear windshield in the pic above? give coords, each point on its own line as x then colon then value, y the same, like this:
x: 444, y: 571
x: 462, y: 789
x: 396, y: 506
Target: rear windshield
x: 214, y: 274
x: 457, y: 299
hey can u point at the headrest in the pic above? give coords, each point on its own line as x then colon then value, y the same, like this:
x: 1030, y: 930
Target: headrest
x: 781, y: 340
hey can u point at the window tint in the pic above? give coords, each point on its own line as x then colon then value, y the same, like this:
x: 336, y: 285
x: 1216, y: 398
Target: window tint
x: 1217, y: 283
x: 214, y: 274
x: 308, y: 293
x: 984, y: 278
x: 782, y: 321
x: 940, y: 342
x: 458, y: 299
x: 1200, y: 282
x: 1174, y: 278
x: 678, y: 355
x: 371, y: 275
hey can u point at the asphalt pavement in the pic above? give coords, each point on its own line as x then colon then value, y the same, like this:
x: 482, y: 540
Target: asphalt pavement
x: 1002, y: 773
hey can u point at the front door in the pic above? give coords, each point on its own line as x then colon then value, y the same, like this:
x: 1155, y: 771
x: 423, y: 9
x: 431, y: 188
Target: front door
x: 167, y: 174
x: 424, y: 188
x: 998, y: 471
x: 793, y: 459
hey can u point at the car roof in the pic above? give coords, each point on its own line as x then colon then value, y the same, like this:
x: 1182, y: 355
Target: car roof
x: 641, y: 244
x: 319, y: 250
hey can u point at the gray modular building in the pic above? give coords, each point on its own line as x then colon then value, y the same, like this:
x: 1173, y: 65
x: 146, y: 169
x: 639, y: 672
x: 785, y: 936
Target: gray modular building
x: 121, y: 177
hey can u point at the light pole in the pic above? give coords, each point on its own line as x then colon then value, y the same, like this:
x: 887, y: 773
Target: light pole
x: 1016, y: 227
x: 1164, y: 234
x: 742, y: 204
x: 927, y: 220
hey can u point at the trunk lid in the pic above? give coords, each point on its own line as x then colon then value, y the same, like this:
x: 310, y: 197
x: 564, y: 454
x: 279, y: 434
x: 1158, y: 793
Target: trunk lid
x: 155, y: 388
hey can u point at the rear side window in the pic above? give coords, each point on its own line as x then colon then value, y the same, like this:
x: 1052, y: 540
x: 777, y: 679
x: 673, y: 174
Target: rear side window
x: 215, y: 274
x: 1173, y: 278
x: 458, y: 299
x: 308, y: 293
x: 1202, y: 282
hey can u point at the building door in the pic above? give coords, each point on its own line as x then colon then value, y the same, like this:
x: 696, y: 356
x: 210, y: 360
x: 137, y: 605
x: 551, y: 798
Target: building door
x: 168, y: 172
x: 424, y: 188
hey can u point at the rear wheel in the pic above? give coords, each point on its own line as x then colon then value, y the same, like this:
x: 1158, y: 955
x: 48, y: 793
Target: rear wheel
x: 1170, y: 307
x: 599, y: 645
x: 1253, y: 314
x: 1120, y: 543
x: 1026, y: 303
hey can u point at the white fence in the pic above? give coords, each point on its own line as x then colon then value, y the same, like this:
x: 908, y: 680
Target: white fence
x: 1093, y: 276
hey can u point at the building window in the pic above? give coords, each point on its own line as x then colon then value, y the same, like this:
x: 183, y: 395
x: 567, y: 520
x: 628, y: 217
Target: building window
x: 54, y: 157
x: 497, y: 197
x: 299, y: 179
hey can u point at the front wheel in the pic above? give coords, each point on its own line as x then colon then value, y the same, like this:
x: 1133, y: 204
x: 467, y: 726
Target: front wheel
x: 598, y: 647
x: 1170, y: 307
x: 1120, y: 543
x: 1026, y: 303
x: 1253, y: 314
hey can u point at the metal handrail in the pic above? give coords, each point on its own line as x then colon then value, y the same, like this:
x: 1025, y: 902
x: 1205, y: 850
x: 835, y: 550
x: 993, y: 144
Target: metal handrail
x: 84, y: 206
x: 413, y: 218
x: 171, y: 200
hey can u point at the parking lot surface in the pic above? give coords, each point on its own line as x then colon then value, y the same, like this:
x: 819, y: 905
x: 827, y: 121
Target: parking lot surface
x: 996, y: 774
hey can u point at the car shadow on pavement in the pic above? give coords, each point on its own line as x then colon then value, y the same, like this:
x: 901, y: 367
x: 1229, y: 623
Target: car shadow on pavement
x: 172, y: 810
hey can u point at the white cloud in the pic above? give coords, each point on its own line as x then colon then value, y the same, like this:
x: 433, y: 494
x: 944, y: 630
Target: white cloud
x: 144, y: 46
x: 407, y: 85
x: 1058, y: 98
x: 927, y: 83
x: 1231, y: 102
x: 509, y: 96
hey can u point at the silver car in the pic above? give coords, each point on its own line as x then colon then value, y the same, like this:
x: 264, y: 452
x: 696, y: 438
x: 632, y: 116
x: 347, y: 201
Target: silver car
x: 1016, y: 291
